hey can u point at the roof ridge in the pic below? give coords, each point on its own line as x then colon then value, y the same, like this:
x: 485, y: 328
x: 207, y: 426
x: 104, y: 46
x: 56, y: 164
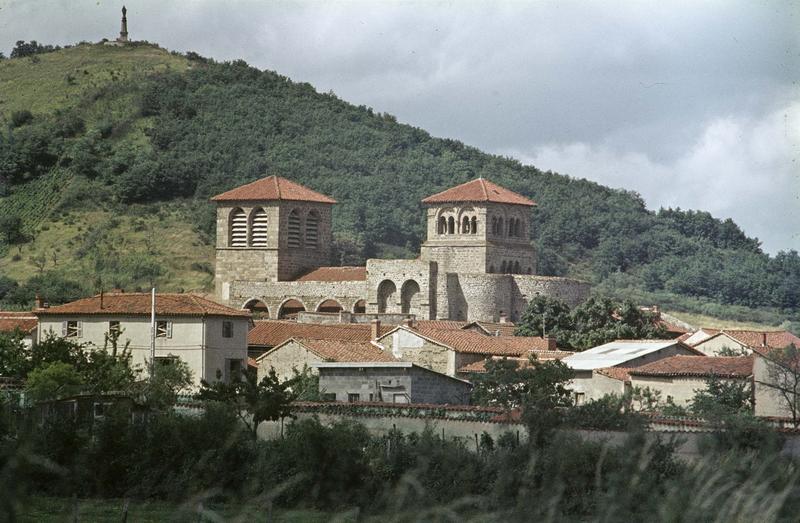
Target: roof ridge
x: 277, y: 186
x: 483, y: 186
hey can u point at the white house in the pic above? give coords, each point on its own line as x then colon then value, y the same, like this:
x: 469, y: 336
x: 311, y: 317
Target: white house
x: 603, y: 370
x: 21, y: 323
x: 745, y: 341
x: 210, y: 338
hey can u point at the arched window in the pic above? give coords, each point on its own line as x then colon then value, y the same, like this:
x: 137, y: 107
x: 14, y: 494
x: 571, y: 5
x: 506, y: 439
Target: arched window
x: 465, y: 225
x: 517, y: 269
x: 503, y: 268
x: 258, y: 228
x: 451, y: 225
x: 500, y: 226
x: 257, y: 308
x: 312, y: 229
x: 442, y: 225
x: 360, y: 307
x: 510, y: 231
x: 329, y: 306
x: 238, y: 228
x: 294, y: 228
x: 474, y: 225
x: 290, y: 308
x: 494, y: 224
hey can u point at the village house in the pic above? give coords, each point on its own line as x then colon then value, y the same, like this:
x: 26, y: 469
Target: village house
x: 448, y: 350
x: 776, y: 384
x: 23, y: 324
x: 744, y: 341
x: 210, y: 338
x: 389, y: 382
x: 479, y: 367
x: 604, y: 369
x: 296, y: 354
x: 267, y: 334
x: 679, y: 378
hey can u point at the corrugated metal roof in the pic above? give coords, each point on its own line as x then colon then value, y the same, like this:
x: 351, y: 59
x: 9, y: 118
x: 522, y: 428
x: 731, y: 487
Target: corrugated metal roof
x: 615, y: 353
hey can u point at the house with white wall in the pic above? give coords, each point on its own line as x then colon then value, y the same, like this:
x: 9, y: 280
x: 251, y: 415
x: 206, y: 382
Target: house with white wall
x: 210, y: 338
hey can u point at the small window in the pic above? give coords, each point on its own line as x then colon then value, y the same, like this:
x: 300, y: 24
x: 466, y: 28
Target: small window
x: 100, y: 409
x: 71, y: 329
x: 234, y: 369
x: 114, y: 327
x: 400, y: 397
x: 353, y: 397
x: 227, y: 329
x: 371, y: 397
x: 329, y: 396
x: 580, y: 398
x: 163, y: 329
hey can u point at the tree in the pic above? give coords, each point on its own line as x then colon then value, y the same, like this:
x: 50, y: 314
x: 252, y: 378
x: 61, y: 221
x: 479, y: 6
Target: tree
x: 546, y: 316
x: 11, y: 228
x: 783, y: 377
x: 54, y: 380
x: 254, y: 401
x: 722, y: 398
x: 167, y: 380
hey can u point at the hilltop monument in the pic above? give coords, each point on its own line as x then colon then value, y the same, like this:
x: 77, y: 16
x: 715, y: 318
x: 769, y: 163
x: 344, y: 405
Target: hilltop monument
x: 123, y: 32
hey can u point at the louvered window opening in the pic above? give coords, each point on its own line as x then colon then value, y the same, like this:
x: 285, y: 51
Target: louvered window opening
x: 258, y: 229
x: 312, y: 228
x: 238, y: 229
x: 294, y: 229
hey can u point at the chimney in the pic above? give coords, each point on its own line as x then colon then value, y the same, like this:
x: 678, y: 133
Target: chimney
x: 503, y: 317
x: 763, y: 339
x: 409, y: 322
x: 376, y: 328
x: 39, y: 303
x: 101, y: 298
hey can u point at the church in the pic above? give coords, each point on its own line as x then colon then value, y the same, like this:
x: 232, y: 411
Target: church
x: 477, y: 264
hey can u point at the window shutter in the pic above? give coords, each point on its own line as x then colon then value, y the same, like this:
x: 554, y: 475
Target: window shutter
x: 169, y: 329
x: 63, y: 329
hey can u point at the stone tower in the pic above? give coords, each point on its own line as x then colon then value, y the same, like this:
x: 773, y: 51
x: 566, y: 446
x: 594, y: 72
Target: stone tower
x: 270, y: 230
x: 123, y: 32
x: 478, y: 233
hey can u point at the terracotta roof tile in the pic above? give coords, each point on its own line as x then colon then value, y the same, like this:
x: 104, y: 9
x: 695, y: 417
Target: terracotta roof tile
x: 542, y: 355
x: 345, y: 351
x: 617, y: 373
x: 335, y: 274
x: 272, y: 188
x: 26, y: 322
x: 476, y: 343
x: 699, y: 366
x: 270, y: 333
x: 506, y: 329
x: 480, y: 190
x: 138, y: 304
x: 439, y: 324
x: 752, y: 339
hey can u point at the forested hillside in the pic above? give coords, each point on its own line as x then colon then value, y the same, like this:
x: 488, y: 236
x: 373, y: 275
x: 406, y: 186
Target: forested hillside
x: 152, y: 128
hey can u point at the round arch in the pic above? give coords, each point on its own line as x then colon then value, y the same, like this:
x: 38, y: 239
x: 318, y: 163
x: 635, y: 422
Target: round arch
x: 387, y: 291
x: 330, y: 305
x: 289, y: 308
x: 257, y: 308
x: 409, y: 296
x: 360, y: 307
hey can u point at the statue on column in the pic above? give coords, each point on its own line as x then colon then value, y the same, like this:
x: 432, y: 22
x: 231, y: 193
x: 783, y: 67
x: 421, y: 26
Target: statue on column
x: 123, y: 33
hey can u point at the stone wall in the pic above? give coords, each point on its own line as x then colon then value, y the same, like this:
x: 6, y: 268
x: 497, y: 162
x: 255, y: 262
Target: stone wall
x: 573, y: 292
x: 399, y: 274
x: 310, y: 293
x: 393, y: 385
x: 409, y: 346
x: 285, y: 358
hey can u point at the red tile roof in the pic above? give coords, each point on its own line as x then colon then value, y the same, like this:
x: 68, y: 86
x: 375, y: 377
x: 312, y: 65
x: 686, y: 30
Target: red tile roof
x: 26, y: 322
x: 476, y: 343
x: 697, y: 366
x: 779, y: 339
x: 272, y: 188
x: 344, y: 351
x: 270, y: 333
x: 479, y: 190
x: 138, y: 304
x: 541, y: 355
x: 335, y: 274
x: 617, y: 373
x: 506, y: 329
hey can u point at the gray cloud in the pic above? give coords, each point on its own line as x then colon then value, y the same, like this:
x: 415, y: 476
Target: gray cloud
x: 675, y: 100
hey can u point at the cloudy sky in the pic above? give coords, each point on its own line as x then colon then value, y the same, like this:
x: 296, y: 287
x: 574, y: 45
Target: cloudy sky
x: 692, y: 104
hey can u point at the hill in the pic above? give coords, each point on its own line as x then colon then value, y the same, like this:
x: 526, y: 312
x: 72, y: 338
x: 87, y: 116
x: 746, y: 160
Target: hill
x: 163, y: 131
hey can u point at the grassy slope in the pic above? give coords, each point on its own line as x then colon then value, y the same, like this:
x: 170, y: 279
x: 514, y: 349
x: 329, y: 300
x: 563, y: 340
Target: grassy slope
x: 66, y: 79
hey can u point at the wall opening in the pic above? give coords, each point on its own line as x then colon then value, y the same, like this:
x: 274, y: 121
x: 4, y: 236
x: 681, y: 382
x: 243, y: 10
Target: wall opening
x: 442, y: 225
x: 409, y: 296
x: 258, y: 228
x: 294, y: 228
x: 257, y: 308
x: 451, y: 225
x: 360, y: 307
x: 237, y: 229
x: 312, y: 229
x: 474, y: 225
x: 330, y: 306
x: 386, y: 296
x: 290, y: 308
